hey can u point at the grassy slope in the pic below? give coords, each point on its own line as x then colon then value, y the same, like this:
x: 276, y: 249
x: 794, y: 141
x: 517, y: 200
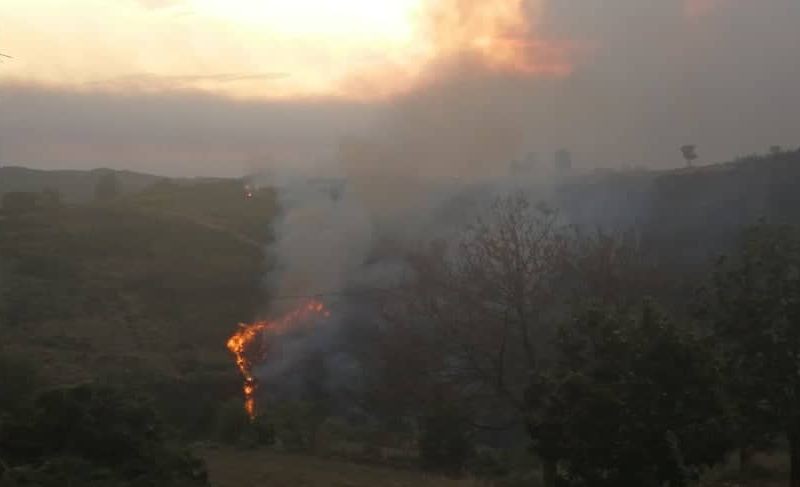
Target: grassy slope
x: 88, y: 289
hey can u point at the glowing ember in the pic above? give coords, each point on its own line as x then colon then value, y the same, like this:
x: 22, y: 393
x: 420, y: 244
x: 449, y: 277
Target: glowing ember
x: 248, y: 347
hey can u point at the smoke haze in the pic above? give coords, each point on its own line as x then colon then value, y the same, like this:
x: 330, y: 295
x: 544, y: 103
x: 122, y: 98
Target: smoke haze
x: 620, y: 83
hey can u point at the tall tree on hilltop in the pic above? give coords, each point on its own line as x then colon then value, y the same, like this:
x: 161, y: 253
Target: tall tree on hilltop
x: 689, y: 154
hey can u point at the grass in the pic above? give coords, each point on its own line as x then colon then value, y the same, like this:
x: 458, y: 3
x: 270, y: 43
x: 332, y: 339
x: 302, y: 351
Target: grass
x: 230, y: 467
x: 90, y: 289
x: 766, y: 470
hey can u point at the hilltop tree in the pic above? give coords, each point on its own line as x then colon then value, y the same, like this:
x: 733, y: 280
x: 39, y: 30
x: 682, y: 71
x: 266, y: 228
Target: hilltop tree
x: 689, y: 154
x: 754, y: 307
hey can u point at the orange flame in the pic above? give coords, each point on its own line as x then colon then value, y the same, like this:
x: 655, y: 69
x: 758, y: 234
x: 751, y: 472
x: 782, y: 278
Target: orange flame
x: 248, y: 347
x: 502, y: 33
x: 500, y: 36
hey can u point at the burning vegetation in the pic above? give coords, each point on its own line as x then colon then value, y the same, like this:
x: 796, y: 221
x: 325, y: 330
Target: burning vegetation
x: 249, y: 345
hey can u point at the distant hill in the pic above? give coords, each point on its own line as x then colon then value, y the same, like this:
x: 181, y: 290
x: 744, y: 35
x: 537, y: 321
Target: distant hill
x: 75, y: 186
x: 692, y: 213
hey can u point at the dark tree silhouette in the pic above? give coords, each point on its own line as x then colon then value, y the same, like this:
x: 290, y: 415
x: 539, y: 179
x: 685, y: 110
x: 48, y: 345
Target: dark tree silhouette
x: 616, y: 411
x: 689, y: 154
x: 754, y: 308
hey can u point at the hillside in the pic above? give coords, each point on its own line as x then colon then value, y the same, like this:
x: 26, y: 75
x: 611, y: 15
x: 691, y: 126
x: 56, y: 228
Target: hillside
x: 93, y: 288
x: 76, y: 186
x: 138, y: 293
x: 693, y: 213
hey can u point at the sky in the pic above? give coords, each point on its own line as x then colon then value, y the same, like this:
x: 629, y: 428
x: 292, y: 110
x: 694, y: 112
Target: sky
x: 225, y: 87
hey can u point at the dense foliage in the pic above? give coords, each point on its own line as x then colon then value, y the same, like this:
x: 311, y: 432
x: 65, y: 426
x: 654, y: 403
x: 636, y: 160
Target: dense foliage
x: 92, y: 435
x: 521, y: 331
x: 634, y: 399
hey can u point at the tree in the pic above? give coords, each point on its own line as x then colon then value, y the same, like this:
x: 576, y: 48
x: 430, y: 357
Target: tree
x: 689, y: 154
x: 754, y: 307
x: 92, y: 435
x: 483, y: 308
x: 776, y: 150
x: 615, y: 410
x: 445, y: 444
x: 480, y: 314
x: 108, y: 187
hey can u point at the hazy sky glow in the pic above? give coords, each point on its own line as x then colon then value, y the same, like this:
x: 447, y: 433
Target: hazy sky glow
x: 208, y: 86
x: 262, y: 48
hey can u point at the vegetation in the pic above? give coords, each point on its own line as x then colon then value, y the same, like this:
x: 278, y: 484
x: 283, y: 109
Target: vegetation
x: 91, y: 435
x: 615, y: 410
x: 128, y: 294
x: 523, y: 351
x: 754, y: 308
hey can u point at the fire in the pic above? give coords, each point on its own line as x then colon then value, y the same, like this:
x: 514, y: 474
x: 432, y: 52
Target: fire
x: 249, y: 348
x: 500, y: 36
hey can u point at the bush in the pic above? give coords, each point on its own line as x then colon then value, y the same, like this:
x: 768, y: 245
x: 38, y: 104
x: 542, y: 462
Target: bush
x: 445, y: 444
x: 19, y: 378
x: 294, y: 426
x: 92, y: 435
x: 232, y: 421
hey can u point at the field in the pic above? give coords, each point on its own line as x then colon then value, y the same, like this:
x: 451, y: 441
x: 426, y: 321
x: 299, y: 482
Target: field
x: 262, y: 468
x: 230, y: 467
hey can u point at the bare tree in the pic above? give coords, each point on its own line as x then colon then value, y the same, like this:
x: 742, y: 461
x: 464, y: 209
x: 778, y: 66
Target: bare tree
x: 489, y: 295
x: 482, y: 311
x: 482, y: 308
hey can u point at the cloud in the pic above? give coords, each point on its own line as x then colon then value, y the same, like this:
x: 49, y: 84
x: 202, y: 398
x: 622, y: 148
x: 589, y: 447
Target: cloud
x: 162, y: 83
x: 158, y: 4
